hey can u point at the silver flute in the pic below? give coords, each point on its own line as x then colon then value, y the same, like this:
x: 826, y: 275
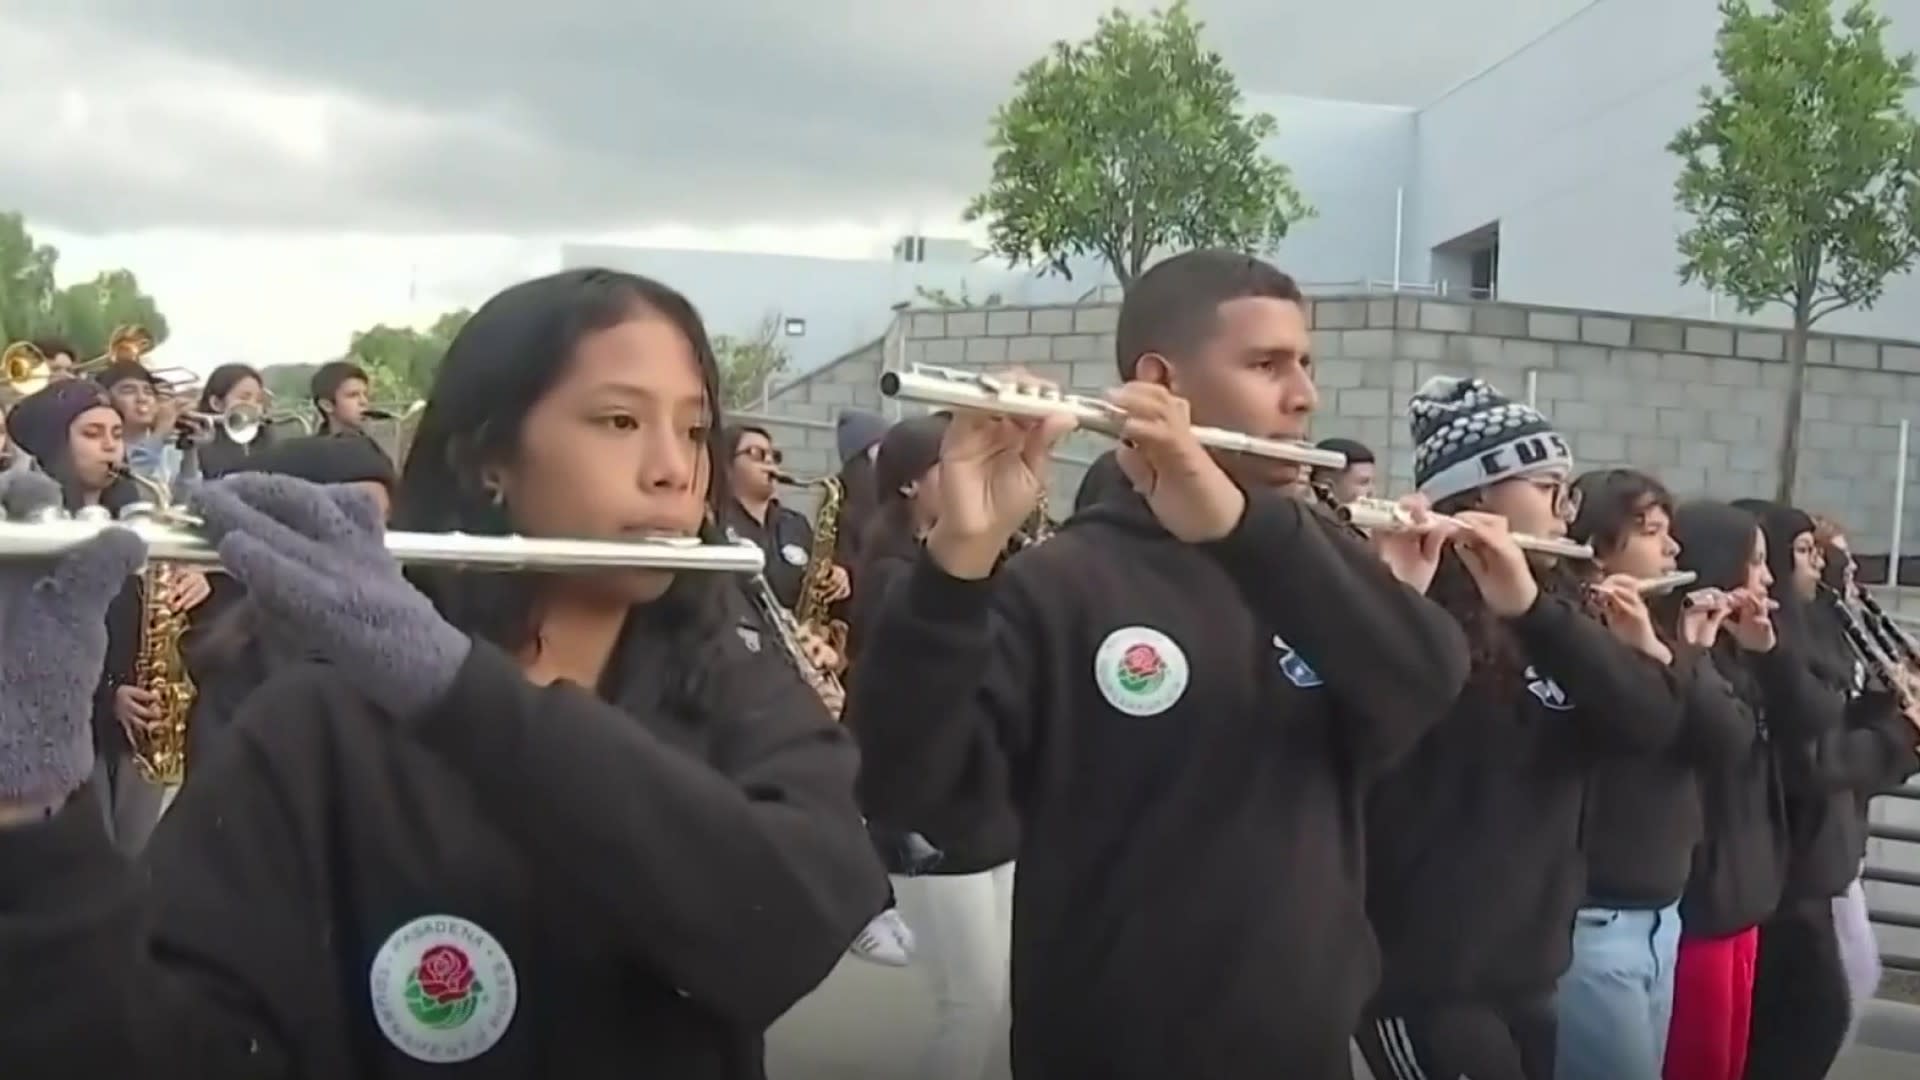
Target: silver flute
x: 1383, y: 514
x: 955, y: 389
x: 55, y: 534
x: 1666, y: 583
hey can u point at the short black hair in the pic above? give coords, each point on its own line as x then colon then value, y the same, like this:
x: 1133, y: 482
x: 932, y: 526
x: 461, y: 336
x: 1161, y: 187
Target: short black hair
x: 1355, y: 451
x: 1171, y: 309
x: 332, y: 376
x: 1612, y: 502
x: 51, y: 347
x: 732, y: 435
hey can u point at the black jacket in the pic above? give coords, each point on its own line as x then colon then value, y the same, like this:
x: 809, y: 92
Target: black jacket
x: 1643, y: 815
x: 994, y: 838
x: 786, y: 538
x: 1474, y: 866
x: 1858, y: 744
x: 218, y: 455
x: 1188, y: 733
x: 609, y: 891
x: 1740, y: 868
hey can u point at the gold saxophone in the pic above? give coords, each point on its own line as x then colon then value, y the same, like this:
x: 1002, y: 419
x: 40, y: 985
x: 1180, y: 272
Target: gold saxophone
x: 812, y: 609
x: 160, y: 667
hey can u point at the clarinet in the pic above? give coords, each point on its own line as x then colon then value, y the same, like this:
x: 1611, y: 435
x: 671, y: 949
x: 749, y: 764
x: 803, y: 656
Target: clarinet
x: 1893, y: 639
x: 1884, y: 669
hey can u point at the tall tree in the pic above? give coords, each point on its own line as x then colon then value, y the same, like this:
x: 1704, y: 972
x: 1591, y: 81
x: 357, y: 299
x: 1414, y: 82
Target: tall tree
x: 1132, y: 142
x: 747, y: 363
x: 401, y: 361
x: 1802, y: 173
x: 32, y: 305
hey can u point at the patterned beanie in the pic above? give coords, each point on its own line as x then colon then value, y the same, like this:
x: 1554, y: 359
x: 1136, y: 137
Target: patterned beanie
x: 1468, y: 435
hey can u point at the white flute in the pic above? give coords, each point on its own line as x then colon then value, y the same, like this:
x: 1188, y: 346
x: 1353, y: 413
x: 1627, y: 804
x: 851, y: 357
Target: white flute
x: 1371, y: 514
x: 1666, y: 583
x: 953, y: 388
x: 172, y: 543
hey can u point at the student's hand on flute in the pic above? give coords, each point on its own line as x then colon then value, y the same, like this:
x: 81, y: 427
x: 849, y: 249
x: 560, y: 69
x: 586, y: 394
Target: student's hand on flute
x: 1498, y: 566
x: 1413, y: 552
x: 1625, y: 613
x: 993, y: 470
x: 1188, y: 491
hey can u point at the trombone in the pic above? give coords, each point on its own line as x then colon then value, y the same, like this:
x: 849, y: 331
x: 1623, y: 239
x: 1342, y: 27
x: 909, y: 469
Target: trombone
x: 27, y: 370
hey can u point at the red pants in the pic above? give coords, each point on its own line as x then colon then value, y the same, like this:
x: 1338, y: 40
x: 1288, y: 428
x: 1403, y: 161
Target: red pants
x: 1712, y: 1007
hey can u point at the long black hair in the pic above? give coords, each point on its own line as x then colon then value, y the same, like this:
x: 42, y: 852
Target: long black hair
x: 908, y: 451
x: 1802, y: 624
x: 1497, y: 658
x: 1716, y: 544
x: 221, y: 382
x: 505, y: 359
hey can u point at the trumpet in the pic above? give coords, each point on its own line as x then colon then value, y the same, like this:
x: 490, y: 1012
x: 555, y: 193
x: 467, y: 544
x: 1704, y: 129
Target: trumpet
x: 952, y: 388
x: 170, y: 538
x: 241, y: 422
x: 1385, y: 515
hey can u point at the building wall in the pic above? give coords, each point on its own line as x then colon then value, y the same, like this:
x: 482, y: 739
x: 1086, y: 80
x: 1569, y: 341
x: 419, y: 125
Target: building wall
x: 1564, y: 144
x: 1698, y: 403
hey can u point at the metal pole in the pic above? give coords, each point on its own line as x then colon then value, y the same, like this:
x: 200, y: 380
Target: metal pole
x: 1399, y: 229
x: 1533, y: 389
x: 1899, y: 505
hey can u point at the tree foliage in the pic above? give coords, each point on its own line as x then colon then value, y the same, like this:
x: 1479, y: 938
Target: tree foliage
x: 1132, y: 142
x: 1802, y: 172
x: 747, y: 363
x: 401, y: 361
x: 84, y: 314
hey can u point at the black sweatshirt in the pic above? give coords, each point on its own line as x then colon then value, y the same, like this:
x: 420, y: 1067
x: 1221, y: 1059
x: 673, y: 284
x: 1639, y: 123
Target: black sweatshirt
x: 1188, y: 732
x: 1740, y: 868
x: 610, y: 891
x: 1643, y: 814
x: 995, y: 837
x: 1474, y: 866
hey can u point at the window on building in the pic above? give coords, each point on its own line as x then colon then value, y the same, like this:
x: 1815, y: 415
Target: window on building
x: 1469, y: 264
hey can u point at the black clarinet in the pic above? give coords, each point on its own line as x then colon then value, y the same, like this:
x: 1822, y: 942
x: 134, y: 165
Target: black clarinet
x: 1885, y: 671
x: 1895, y: 640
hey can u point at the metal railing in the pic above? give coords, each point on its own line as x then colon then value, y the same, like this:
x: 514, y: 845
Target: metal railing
x: 1889, y: 875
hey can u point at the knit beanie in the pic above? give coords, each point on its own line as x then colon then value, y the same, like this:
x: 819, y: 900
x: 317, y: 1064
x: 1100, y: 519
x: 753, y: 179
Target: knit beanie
x: 910, y: 448
x: 39, y: 424
x: 1468, y: 435
x: 855, y: 432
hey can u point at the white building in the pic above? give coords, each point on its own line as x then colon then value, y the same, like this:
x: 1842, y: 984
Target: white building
x: 1544, y: 179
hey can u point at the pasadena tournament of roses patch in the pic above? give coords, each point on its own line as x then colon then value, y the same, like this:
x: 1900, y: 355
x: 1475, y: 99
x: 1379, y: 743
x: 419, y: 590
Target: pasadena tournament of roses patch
x: 443, y: 989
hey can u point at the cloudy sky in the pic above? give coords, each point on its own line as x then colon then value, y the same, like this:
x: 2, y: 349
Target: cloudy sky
x: 279, y: 173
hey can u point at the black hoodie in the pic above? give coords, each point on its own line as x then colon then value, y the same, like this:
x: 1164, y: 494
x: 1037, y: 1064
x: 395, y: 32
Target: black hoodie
x: 1474, y: 866
x: 607, y: 890
x: 1188, y: 733
x: 1740, y: 864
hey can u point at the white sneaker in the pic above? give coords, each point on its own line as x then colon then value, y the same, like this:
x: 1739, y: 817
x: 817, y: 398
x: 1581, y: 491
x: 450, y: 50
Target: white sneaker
x: 886, y: 940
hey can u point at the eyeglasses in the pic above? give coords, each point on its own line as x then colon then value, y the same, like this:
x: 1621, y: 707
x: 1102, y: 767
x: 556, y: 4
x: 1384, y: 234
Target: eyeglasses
x: 761, y: 454
x: 1566, y: 497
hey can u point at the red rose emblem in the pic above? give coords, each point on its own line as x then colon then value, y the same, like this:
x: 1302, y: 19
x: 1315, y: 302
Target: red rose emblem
x: 1141, y: 661
x: 445, y: 974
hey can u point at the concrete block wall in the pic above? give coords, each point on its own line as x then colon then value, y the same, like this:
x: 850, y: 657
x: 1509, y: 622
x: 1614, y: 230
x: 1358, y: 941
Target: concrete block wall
x: 1699, y: 403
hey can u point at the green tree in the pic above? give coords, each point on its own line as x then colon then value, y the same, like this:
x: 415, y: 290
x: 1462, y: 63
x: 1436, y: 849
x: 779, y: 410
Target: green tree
x: 32, y: 305
x: 401, y: 361
x: 1131, y: 143
x: 747, y: 363
x: 1802, y: 173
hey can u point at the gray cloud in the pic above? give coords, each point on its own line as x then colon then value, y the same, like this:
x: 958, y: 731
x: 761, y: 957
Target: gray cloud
x: 576, y: 115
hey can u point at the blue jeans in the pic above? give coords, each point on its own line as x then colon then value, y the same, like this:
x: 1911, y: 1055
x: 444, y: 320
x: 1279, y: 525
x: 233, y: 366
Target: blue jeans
x: 1616, y: 1000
